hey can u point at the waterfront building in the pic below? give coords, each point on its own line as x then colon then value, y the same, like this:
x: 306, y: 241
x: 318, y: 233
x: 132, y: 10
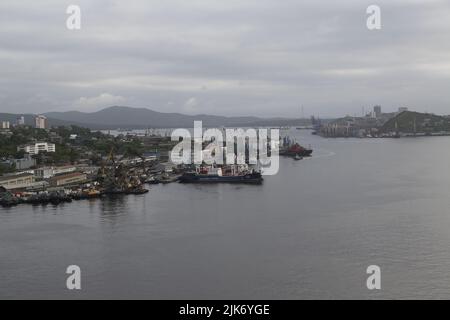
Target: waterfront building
x: 68, y: 179
x: 44, y: 173
x: 49, y: 172
x: 64, y: 169
x: 41, y: 122
x: 18, y: 181
x: 37, y: 147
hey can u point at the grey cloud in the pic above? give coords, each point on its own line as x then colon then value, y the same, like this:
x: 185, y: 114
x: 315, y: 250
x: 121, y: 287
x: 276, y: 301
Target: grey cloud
x: 262, y: 57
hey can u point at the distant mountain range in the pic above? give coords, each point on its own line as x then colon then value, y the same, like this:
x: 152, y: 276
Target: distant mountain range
x: 142, y: 118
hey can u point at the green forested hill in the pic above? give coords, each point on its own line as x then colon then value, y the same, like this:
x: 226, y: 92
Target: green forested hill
x: 410, y: 122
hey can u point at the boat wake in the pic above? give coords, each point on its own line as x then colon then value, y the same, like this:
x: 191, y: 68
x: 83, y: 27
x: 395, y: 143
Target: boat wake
x: 321, y: 154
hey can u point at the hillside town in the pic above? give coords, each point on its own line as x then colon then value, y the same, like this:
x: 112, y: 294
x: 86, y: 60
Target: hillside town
x: 376, y: 124
x: 39, y: 164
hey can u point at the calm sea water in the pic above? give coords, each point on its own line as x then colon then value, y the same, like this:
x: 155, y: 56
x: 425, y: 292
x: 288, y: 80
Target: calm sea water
x: 309, y: 232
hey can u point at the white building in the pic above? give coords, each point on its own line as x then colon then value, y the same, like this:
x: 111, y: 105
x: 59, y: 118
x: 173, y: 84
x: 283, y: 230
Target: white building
x: 21, y: 121
x: 37, y: 147
x: 49, y: 172
x: 5, y: 124
x: 41, y: 122
x: 44, y: 173
x: 64, y: 169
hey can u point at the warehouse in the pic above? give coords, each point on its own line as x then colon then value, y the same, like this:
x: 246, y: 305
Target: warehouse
x: 67, y: 179
x: 18, y: 181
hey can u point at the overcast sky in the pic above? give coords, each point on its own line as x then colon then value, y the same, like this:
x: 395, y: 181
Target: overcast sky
x: 228, y: 57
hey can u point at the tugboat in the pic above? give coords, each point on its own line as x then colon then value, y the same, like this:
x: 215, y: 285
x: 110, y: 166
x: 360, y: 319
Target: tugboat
x: 291, y: 148
x: 217, y: 175
x: 296, y: 149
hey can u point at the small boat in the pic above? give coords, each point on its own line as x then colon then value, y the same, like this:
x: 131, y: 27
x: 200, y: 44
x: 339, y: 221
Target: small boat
x: 86, y: 194
x: 93, y: 193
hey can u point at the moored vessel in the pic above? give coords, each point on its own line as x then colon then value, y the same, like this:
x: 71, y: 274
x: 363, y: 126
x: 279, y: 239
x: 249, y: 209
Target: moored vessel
x: 226, y: 174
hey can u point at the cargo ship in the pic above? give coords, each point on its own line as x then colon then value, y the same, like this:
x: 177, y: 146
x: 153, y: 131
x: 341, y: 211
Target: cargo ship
x: 230, y: 174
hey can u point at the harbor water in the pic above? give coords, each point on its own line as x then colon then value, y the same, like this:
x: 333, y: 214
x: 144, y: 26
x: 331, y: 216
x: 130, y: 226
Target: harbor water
x: 308, y: 232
